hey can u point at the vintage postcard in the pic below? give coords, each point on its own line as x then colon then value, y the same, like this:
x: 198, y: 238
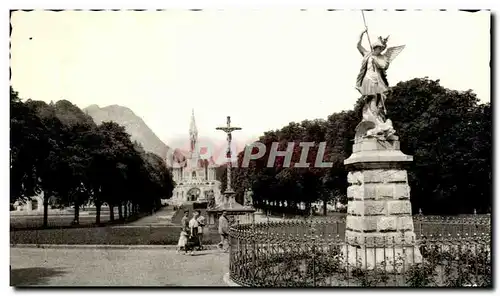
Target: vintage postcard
x: 250, y: 148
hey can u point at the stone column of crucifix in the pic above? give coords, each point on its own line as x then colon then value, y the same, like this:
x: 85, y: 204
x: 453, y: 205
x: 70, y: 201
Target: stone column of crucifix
x: 228, y: 129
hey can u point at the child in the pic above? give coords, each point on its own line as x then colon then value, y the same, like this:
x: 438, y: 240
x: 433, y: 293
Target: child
x: 183, y: 239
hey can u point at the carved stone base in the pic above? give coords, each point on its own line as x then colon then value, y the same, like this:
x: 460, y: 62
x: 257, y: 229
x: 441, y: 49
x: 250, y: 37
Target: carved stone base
x: 229, y: 198
x: 234, y: 210
x: 393, y: 253
x: 379, y: 223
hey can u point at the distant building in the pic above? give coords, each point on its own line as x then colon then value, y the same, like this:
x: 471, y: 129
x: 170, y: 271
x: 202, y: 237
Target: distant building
x: 32, y: 205
x: 194, y: 177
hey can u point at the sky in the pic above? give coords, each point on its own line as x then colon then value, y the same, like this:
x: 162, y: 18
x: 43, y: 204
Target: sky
x: 264, y: 68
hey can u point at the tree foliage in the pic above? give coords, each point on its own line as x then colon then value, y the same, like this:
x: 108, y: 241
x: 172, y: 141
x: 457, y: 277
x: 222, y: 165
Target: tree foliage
x: 448, y: 133
x: 57, y: 149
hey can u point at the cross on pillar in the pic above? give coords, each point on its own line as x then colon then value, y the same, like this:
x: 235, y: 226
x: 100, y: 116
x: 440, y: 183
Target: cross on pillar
x: 228, y: 129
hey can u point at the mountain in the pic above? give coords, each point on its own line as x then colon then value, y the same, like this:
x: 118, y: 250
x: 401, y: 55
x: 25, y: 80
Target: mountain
x: 70, y: 114
x: 134, y: 125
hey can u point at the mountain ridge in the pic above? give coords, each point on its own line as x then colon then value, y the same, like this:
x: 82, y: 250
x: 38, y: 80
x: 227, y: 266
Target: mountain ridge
x: 134, y: 125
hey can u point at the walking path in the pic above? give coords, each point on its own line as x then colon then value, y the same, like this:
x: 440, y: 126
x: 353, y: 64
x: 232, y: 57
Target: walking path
x: 161, y: 218
x: 115, y: 267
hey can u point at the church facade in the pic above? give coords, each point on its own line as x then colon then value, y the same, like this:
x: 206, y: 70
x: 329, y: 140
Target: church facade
x: 194, y: 177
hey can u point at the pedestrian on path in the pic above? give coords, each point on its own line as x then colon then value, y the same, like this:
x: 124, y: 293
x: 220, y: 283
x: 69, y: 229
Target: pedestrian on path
x: 185, y: 221
x: 224, y: 231
x: 193, y: 241
x: 183, y: 236
x: 201, y: 226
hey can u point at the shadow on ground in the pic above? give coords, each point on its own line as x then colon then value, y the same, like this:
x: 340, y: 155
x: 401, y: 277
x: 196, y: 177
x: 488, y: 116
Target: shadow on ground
x: 200, y: 254
x: 34, y: 276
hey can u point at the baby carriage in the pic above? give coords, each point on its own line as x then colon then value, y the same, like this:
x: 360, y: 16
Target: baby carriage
x: 192, y: 241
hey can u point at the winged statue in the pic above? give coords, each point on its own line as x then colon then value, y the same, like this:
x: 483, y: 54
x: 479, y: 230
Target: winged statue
x: 373, y: 85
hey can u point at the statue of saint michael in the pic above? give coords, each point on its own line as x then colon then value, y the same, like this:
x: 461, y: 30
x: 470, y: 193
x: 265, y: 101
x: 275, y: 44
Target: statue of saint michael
x: 373, y: 86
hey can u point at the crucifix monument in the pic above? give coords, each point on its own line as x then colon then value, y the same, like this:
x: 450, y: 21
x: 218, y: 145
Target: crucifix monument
x: 229, y: 193
x: 229, y: 203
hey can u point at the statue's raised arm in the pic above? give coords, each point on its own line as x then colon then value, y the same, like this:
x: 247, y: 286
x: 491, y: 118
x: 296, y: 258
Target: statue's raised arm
x: 361, y: 49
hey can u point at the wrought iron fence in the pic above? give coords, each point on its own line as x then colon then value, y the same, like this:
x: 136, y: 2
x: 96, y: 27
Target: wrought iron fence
x: 447, y: 252
x: 444, y: 225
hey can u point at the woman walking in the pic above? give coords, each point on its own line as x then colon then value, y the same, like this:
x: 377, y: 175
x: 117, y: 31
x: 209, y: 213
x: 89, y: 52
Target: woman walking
x: 183, y: 237
x: 193, y: 241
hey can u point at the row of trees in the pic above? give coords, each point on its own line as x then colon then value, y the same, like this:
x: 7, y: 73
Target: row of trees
x: 448, y: 132
x: 58, y: 150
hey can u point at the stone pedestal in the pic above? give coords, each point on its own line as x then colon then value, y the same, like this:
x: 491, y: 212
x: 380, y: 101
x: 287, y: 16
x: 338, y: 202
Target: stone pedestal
x: 229, y: 198
x: 234, y: 210
x: 379, y: 224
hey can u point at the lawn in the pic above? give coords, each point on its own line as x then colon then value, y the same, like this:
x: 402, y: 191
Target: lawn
x: 59, y: 231
x: 119, y: 235
x: 31, y: 222
x: 24, y: 222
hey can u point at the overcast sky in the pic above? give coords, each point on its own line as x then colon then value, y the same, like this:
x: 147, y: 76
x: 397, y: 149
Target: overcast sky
x: 265, y: 68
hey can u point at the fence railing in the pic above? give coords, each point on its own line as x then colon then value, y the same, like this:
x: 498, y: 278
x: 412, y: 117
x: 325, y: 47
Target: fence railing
x: 450, y: 252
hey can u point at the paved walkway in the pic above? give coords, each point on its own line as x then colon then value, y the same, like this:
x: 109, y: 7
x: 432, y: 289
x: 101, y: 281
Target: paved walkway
x: 98, y: 267
x: 161, y: 218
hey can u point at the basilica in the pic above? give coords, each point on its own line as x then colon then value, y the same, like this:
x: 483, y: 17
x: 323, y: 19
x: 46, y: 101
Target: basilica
x: 194, y: 177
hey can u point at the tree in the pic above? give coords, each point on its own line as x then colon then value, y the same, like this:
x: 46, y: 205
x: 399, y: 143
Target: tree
x: 76, y: 155
x: 159, y: 181
x: 110, y: 165
x: 449, y: 135
x: 26, y: 129
x: 51, y: 169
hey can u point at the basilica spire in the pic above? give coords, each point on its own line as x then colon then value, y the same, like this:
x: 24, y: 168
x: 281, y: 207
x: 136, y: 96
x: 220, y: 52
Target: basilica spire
x: 193, y: 132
